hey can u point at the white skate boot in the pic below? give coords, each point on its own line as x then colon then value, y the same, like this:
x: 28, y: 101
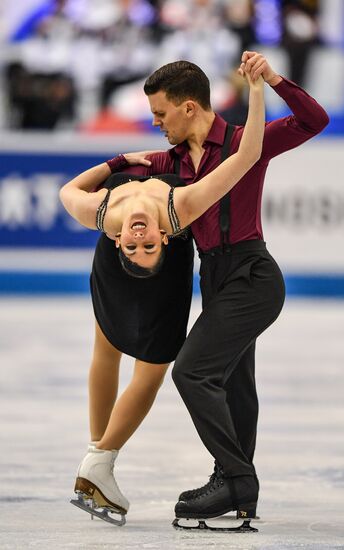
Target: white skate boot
x: 90, y: 447
x: 97, y: 490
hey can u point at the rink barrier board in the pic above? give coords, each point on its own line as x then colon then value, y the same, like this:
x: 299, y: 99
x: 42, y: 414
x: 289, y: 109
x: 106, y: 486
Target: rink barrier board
x: 29, y: 283
x: 303, y: 213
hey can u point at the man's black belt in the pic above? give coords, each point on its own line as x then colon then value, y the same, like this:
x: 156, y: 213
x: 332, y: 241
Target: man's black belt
x: 241, y: 247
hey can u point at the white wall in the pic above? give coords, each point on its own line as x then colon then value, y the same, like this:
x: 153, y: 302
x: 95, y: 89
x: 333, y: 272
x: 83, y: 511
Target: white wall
x: 303, y: 205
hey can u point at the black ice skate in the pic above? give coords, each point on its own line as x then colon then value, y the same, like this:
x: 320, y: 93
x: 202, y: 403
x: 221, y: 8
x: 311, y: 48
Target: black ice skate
x: 193, y: 493
x: 222, y: 495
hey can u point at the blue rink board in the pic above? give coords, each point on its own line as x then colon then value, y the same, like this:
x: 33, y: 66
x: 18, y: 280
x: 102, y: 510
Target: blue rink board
x: 32, y: 217
x: 28, y: 283
x: 31, y: 214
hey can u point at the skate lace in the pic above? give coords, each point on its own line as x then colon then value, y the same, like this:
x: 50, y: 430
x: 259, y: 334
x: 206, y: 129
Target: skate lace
x: 196, y: 492
x: 215, y: 481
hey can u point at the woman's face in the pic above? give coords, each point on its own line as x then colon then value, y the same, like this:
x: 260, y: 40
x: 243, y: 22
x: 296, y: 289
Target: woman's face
x: 141, y: 239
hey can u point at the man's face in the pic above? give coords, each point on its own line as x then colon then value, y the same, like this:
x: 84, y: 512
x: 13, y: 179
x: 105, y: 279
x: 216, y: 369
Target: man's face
x: 172, y: 119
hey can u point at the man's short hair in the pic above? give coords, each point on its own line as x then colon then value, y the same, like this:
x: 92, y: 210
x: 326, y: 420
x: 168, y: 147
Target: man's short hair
x: 180, y: 80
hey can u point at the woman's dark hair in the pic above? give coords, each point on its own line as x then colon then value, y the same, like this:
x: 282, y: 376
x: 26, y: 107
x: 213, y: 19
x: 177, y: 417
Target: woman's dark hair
x: 131, y: 268
x: 181, y: 80
x: 135, y: 270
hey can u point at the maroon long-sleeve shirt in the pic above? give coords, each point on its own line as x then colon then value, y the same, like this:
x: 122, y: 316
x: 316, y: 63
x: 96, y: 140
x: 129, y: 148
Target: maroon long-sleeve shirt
x: 280, y: 135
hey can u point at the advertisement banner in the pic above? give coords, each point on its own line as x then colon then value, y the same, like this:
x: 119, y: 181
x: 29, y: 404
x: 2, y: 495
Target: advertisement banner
x: 31, y: 214
x: 303, y: 208
x: 43, y: 249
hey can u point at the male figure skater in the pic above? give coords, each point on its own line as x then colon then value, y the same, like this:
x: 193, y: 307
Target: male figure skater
x: 241, y: 284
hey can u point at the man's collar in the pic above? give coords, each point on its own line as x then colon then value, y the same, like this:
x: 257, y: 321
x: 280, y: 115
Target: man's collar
x: 181, y: 148
x: 217, y: 131
x: 216, y: 135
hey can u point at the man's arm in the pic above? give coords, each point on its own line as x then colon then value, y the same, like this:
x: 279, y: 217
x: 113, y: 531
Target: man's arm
x: 308, y: 118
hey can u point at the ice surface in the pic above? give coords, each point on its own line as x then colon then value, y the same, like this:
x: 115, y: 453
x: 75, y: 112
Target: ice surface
x: 45, y: 352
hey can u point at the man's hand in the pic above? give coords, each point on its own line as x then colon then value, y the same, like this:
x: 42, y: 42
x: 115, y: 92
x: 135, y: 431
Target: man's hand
x: 139, y: 157
x: 257, y: 66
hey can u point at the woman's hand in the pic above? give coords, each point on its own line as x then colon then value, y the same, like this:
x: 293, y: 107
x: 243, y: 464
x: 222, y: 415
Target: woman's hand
x: 254, y: 84
x: 139, y: 157
x: 248, y: 73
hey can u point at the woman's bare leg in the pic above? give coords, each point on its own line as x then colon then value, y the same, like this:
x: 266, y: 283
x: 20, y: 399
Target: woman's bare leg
x: 133, y: 405
x: 103, y: 383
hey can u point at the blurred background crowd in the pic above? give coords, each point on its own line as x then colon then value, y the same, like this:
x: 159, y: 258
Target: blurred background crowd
x: 81, y: 64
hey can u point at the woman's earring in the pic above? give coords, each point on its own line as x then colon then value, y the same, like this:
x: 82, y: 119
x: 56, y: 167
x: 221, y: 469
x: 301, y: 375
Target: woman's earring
x: 117, y: 241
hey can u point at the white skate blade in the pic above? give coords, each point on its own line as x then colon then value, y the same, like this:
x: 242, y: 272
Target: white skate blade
x: 101, y: 513
x: 212, y: 524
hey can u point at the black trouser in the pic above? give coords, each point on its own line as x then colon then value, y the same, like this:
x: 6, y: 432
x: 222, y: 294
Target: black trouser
x: 242, y: 293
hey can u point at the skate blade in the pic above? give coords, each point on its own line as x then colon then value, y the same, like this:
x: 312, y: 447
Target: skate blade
x: 102, y: 513
x: 89, y: 490
x: 203, y: 525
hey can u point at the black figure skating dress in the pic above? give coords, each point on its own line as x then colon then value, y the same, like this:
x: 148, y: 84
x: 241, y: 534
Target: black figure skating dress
x: 144, y: 318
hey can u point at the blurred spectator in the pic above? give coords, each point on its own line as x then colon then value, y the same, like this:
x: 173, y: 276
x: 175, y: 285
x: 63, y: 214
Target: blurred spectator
x: 41, y: 93
x: 57, y: 25
x: 300, y: 35
x: 129, y: 45
x: 198, y: 33
x: 239, y: 15
x: 39, y: 101
x: 100, y: 51
x: 17, y: 84
x: 51, y: 101
x: 237, y: 108
x: 50, y: 18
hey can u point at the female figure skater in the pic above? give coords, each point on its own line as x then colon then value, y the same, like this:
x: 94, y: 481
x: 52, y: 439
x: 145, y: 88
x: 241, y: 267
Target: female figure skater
x: 141, y: 216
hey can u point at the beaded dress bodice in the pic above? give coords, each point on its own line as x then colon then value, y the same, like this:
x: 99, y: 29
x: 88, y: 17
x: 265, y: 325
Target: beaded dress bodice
x: 172, y: 214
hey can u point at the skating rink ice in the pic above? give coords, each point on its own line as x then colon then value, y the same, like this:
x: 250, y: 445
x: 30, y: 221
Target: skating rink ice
x: 45, y: 354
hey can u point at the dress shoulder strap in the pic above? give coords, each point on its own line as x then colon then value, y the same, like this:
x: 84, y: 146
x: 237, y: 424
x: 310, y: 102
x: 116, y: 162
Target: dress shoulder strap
x: 172, y: 214
x: 101, y: 211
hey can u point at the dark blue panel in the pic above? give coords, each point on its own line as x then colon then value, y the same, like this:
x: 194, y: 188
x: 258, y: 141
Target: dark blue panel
x: 298, y: 286
x: 31, y: 214
x: 44, y: 283
x: 325, y: 286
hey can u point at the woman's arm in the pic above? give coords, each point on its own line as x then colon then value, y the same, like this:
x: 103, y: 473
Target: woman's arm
x: 78, y: 199
x: 78, y: 196
x: 192, y: 201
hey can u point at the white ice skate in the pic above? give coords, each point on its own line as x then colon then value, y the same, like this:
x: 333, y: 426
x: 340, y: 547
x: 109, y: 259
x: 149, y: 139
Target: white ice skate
x: 96, y: 487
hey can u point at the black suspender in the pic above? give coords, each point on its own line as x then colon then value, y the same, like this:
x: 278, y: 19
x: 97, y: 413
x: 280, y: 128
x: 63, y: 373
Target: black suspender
x: 226, y: 200
x: 224, y: 218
